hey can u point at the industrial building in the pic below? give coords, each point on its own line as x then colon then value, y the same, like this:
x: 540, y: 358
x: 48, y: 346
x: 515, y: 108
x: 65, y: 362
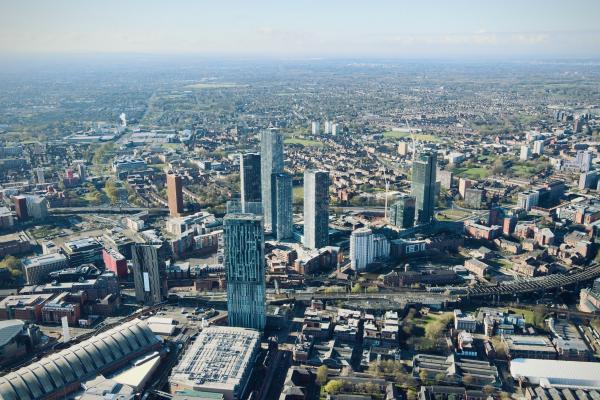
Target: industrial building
x: 62, y: 373
x: 556, y: 373
x: 220, y: 361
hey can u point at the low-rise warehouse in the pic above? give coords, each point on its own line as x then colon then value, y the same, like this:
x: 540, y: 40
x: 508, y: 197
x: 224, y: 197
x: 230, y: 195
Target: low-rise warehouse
x: 556, y: 373
x: 62, y: 373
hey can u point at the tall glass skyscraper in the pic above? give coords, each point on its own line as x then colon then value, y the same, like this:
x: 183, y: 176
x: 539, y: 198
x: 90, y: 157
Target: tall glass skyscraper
x: 244, y: 257
x: 316, y: 209
x: 250, y: 179
x: 423, y: 185
x: 271, y: 162
x: 282, y: 218
x: 402, y: 212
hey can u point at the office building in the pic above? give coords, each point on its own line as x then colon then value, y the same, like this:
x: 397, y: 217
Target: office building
x: 525, y: 153
x: 244, y: 259
x: 588, y: 180
x: 282, y: 217
x: 220, y: 361
x: 316, y: 209
x: 366, y: 247
x: 316, y: 129
x: 423, y: 185
x: 402, y: 212
x: 115, y: 262
x: 474, y: 198
x: 20, y: 207
x: 36, y: 269
x: 149, y: 274
x: 81, y: 171
x: 39, y: 175
x: 83, y: 251
x: 175, y: 194
x: 334, y: 129
x: 37, y: 207
x: 583, y: 160
x: 250, y: 179
x: 445, y: 179
x: 6, y: 218
x: 403, y: 148
x: 528, y: 199
x: 271, y: 162
x: 538, y: 147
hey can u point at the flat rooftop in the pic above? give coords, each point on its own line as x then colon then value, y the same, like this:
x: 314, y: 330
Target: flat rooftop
x: 218, y: 359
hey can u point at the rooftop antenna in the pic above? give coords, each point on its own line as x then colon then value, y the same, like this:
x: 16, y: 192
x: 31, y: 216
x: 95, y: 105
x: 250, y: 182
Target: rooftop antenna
x: 387, y: 188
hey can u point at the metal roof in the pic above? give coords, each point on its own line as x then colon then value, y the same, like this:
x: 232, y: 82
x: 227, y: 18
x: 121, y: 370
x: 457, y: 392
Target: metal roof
x: 80, y: 361
x: 9, y: 329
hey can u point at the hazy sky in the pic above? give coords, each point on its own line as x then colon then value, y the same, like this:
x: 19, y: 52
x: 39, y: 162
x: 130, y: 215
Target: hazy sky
x: 421, y: 28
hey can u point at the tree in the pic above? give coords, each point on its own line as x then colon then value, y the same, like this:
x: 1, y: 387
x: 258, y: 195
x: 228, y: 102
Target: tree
x: 440, y: 378
x: 505, y: 395
x: 488, y: 389
x: 11, y: 263
x: 372, y: 289
x: 322, y: 373
x: 356, y: 288
x: 411, y: 394
x: 468, y: 380
x: 423, y: 376
x: 333, y: 387
x: 539, y: 315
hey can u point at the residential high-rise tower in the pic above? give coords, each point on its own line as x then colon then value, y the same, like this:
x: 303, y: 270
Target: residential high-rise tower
x: 282, y: 212
x: 250, y: 179
x: 271, y: 162
x: 244, y: 258
x: 316, y: 209
x: 175, y: 194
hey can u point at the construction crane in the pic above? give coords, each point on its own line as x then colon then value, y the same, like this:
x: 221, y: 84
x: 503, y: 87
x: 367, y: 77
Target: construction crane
x: 412, y: 137
x: 387, y: 188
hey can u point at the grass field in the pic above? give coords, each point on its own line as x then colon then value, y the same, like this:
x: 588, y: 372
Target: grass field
x: 418, y: 136
x: 473, y: 173
x: 451, y: 215
x: 304, y: 142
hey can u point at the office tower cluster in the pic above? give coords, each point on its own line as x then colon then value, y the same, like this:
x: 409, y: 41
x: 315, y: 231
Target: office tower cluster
x: 328, y: 128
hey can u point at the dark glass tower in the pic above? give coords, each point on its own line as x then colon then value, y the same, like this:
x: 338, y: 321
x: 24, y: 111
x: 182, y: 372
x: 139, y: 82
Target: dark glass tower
x: 250, y: 178
x: 245, y: 268
x: 423, y: 185
x: 402, y: 213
